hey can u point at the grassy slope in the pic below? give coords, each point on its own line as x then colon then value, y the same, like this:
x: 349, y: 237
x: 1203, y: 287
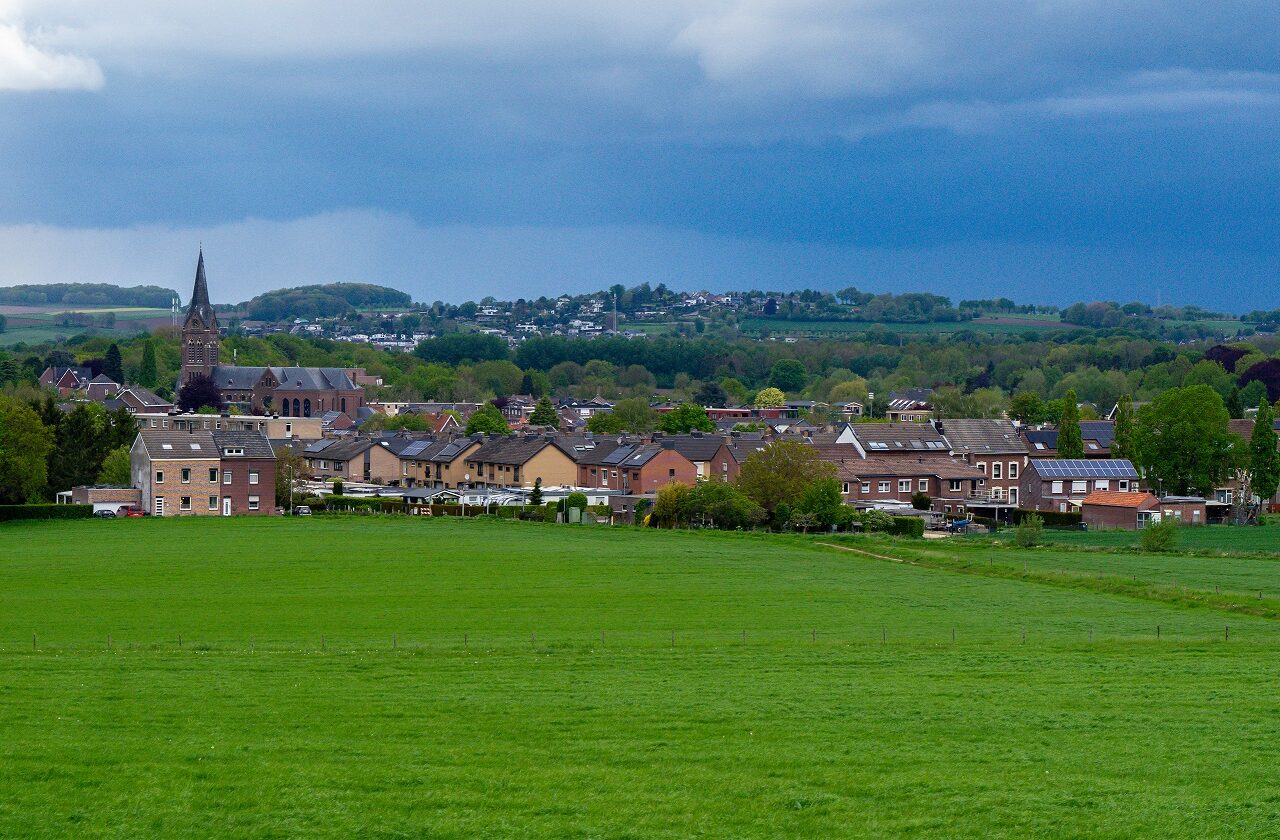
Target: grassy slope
x: 780, y: 736
x: 1205, y: 538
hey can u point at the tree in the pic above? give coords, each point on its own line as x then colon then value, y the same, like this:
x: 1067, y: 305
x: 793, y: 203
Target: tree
x: 770, y: 398
x: 1235, y: 407
x: 80, y: 445
x: 823, y: 501
x: 199, y: 392
x: 670, y: 506
x: 717, y: 504
x: 1027, y: 407
x: 1264, y: 460
x: 115, y: 467
x: 1183, y: 442
x: 711, y: 395
x: 488, y: 420
x: 1125, y: 428
x: 1070, y: 444
x: 25, y: 444
x: 289, y: 466
x: 113, y: 364
x: 788, y: 375
x: 687, y: 417
x: 535, y: 495
x: 629, y: 415
x: 781, y: 473
x: 1253, y: 393
x: 544, y: 414
x: 1162, y: 536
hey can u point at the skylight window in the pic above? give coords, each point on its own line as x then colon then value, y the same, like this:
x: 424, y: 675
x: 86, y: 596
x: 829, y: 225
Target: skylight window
x: 195, y: 446
x: 166, y: 446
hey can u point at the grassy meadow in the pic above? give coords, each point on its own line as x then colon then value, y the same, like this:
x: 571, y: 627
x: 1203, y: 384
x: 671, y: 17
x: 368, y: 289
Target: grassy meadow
x: 377, y: 677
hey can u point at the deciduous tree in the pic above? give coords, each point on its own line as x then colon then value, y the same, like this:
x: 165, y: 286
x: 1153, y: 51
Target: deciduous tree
x: 1183, y: 443
x: 1070, y: 444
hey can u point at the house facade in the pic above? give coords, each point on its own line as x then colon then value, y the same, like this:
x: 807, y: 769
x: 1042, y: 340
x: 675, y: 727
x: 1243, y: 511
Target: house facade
x: 1062, y: 485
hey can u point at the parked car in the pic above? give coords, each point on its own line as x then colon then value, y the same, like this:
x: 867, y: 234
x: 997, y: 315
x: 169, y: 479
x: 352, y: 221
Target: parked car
x: 105, y: 513
x: 302, y: 510
x: 130, y: 510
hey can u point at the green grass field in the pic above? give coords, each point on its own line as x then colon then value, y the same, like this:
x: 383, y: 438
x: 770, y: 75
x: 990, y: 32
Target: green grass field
x: 846, y: 709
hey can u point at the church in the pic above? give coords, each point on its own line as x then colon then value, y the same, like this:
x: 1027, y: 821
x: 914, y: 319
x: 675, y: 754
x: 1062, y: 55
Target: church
x: 287, y: 391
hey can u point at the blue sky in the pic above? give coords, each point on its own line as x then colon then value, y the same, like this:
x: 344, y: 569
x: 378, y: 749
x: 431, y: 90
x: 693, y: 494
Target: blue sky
x: 1049, y: 151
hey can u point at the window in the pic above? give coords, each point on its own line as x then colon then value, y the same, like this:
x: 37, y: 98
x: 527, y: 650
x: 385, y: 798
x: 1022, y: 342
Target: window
x: 253, y: 476
x: 982, y: 465
x: 1124, y: 485
x: 226, y: 476
x: 159, y: 476
x: 1056, y: 487
x: 997, y: 493
x: 1079, y: 486
x: 186, y: 503
x: 1093, y: 446
x: 866, y: 487
x: 253, y: 503
x: 1013, y: 469
x: 213, y: 474
x: 946, y: 508
x: 670, y: 474
x: 1013, y: 495
x: 904, y: 485
x: 883, y: 487
x: 955, y: 485
x: 288, y: 429
x: 1062, y: 507
x: 233, y: 450
x: 995, y: 470
x: 924, y: 485
x: 186, y: 475
x: 1102, y: 484
x: 213, y: 503
x: 844, y: 487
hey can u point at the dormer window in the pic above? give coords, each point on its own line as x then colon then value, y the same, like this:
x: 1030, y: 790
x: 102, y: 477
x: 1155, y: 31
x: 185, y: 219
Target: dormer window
x: 232, y: 451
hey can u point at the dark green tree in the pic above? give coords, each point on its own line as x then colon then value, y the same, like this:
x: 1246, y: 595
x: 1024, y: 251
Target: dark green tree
x: 147, y: 374
x: 1264, y: 459
x: 1235, y: 408
x: 686, y: 417
x: 113, y: 364
x: 1070, y: 444
x: 1027, y: 407
x: 488, y: 420
x: 544, y: 414
x: 199, y: 392
x: 780, y: 474
x: 1183, y: 442
x: 711, y: 394
x: 80, y: 445
x: 788, y: 375
x: 1126, y: 427
x: 535, y: 495
x: 25, y: 443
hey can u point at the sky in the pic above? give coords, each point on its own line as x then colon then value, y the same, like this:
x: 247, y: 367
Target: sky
x: 1044, y: 150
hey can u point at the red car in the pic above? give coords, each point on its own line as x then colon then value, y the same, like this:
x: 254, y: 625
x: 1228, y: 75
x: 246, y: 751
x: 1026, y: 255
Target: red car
x: 130, y: 510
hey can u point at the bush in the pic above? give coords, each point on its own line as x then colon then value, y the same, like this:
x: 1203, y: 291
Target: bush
x: 876, y: 520
x: 1051, y: 518
x: 921, y: 501
x: 338, y: 487
x: 10, y: 513
x: 576, y: 500
x: 1030, y: 531
x: 1163, y: 536
x: 907, y: 526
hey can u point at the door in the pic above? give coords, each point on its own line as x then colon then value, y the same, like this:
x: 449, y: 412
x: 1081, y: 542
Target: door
x: 160, y: 506
x: 226, y: 506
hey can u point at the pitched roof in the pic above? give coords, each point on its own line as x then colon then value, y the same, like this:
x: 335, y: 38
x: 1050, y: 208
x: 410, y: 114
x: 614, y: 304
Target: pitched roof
x: 515, y: 449
x: 982, y: 437
x: 200, y: 306
x: 1115, y: 498
x: 145, y: 396
x: 254, y: 444
x: 1083, y: 468
x: 696, y: 446
x: 341, y: 449
x: 179, y: 443
x: 898, y: 437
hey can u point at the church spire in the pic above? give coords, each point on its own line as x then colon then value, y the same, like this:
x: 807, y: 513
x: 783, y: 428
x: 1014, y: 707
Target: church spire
x: 200, y: 306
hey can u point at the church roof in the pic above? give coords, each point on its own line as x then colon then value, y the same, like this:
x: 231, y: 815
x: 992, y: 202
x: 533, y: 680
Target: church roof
x: 200, y: 306
x: 232, y: 377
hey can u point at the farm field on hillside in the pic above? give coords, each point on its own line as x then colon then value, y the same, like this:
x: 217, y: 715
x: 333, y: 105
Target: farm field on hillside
x: 846, y: 708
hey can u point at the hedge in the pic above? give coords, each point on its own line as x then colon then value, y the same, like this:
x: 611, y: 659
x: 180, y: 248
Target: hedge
x: 9, y: 513
x: 907, y: 526
x: 1052, y: 518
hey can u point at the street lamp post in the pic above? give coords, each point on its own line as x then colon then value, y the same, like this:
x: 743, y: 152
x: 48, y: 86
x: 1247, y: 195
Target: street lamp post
x: 291, y: 489
x: 871, y: 404
x: 463, y: 498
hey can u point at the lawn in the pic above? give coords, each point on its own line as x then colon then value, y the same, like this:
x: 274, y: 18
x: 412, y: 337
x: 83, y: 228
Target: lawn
x: 501, y: 710
x: 1207, y: 538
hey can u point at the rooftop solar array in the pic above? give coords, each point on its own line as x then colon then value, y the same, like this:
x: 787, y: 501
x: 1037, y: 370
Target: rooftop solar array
x: 1080, y: 468
x: 415, y: 449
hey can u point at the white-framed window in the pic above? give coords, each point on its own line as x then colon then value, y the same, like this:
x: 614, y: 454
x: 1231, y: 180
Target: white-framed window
x: 883, y: 487
x: 1102, y: 484
x: 253, y: 476
x: 1013, y: 495
x: 997, y: 493
x: 1062, y: 507
x: 226, y: 476
x: 213, y: 474
x: 924, y: 485
x: 1055, y: 487
x: 1079, y: 486
x: 995, y: 470
x: 866, y: 487
x: 159, y: 476
x: 904, y: 485
x: 213, y: 503
x: 1124, y: 484
x: 186, y: 475
x: 955, y: 485
x: 1013, y: 469
x: 253, y: 503
x: 844, y: 487
x: 982, y: 466
x: 186, y: 503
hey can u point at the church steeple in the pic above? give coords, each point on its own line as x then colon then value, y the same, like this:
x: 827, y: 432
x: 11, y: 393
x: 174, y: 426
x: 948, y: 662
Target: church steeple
x: 200, y: 330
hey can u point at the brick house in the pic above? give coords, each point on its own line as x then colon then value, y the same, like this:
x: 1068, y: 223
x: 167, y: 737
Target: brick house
x: 140, y: 400
x: 101, y: 387
x: 64, y: 380
x: 519, y: 460
x: 879, y: 481
x: 635, y: 467
x: 994, y: 448
x: 353, y: 459
x: 1062, y: 485
x: 1111, y: 509
x: 710, y: 454
x: 248, y: 473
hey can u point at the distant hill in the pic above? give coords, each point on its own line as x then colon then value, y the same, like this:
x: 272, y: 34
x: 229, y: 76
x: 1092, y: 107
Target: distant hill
x: 86, y: 294
x: 321, y: 301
